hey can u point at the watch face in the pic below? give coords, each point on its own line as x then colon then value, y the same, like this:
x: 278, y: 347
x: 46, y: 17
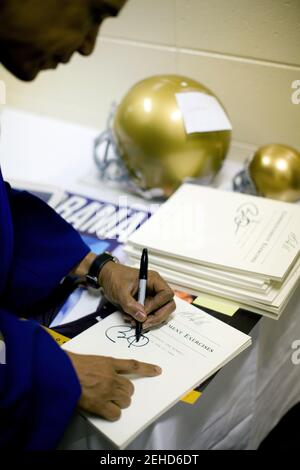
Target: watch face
x: 92, y: 281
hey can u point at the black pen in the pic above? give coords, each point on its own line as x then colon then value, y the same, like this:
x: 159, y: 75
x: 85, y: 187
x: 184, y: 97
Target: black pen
x: 143, y: 276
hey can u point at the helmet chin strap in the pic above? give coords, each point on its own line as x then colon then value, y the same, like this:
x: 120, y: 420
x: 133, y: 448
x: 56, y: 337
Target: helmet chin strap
x: 111, y: 166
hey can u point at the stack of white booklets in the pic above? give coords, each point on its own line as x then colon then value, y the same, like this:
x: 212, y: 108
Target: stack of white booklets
x: 234, y: 246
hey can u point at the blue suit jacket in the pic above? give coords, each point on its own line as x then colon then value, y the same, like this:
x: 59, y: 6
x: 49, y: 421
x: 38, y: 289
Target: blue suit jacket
x: 38, y: 387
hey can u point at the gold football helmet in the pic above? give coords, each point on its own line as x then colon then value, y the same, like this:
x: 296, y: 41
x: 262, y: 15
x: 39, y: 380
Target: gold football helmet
x: 273, y: 171
x: 147, y: 146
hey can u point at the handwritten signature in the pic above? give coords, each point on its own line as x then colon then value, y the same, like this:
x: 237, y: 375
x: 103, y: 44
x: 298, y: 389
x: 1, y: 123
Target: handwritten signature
x: 246, y: 214
x: 197, y: 320
x: 127, y: 333
x: 291, y: 242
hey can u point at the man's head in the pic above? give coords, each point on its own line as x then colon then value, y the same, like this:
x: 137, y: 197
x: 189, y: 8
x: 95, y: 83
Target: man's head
x: 39, y: 34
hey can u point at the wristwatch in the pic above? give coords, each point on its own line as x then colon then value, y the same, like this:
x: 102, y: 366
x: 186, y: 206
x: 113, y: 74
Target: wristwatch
x: 92, y: 276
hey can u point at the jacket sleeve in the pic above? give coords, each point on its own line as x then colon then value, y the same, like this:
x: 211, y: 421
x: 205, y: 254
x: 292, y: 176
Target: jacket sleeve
x: 38, y: 387
x: 46, y: 248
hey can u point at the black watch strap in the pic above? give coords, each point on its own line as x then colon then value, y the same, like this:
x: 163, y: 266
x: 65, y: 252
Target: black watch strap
x: 95, y: 268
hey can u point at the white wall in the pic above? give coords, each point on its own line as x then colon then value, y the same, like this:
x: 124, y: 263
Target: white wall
x: 247, y: 52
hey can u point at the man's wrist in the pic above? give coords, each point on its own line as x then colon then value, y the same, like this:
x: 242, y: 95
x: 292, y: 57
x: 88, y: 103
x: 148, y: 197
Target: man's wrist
x: 83, y: 267
x: 93, y: 278
x: 105, y: 271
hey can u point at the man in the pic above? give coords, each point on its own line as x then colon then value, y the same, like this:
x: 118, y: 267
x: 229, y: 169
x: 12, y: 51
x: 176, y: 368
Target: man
x: 40, y: 385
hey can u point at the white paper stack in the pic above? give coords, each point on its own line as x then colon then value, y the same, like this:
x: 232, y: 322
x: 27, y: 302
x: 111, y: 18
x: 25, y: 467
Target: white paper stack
x: 238, y: 247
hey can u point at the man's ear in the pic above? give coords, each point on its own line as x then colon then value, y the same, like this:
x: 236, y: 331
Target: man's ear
x: 89, y: 43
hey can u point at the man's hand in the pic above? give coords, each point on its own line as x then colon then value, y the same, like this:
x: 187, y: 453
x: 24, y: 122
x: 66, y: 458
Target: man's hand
x: 104, y: 391
x: 120, y: 285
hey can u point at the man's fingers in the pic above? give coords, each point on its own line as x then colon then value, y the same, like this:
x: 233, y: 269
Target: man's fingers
x: 129, y: 319
x: 132, y: 307
x: 110, y: 411
x: 160, y: 316
x: 154, y: 303
x: 130, y: 366
x: 161, y: 293
x: 124, y: 385
x: 121, y: 399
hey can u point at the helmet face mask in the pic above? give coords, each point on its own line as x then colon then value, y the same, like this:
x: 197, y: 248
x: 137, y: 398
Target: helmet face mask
x: 273, y: 172
x: 146, y: 132
x: 242, y: 182
x: 112, y: 168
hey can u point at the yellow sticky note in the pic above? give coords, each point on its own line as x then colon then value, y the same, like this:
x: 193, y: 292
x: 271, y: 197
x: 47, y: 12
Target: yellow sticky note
x: 60, y: 339
x: 191, y: 397
x: 216, y: 303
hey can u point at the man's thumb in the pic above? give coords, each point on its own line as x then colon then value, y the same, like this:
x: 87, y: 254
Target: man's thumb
x: 133, y: 308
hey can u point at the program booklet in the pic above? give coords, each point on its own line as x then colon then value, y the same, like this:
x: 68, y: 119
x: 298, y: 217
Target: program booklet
x: 238, y: 247
x: 189, y: 348
x: 234, y: 232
